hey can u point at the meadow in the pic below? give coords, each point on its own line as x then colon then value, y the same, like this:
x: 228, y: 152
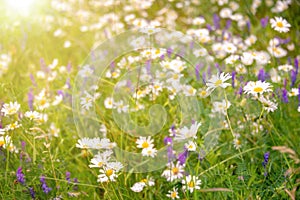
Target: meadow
x: 145, y: 99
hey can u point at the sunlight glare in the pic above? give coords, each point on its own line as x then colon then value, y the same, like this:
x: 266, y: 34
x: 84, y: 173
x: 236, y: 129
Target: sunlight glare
x: 20, y: 6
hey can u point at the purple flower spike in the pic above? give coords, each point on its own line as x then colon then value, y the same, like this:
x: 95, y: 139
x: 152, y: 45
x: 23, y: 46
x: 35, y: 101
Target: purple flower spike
x: 169, y: 52
x: 228, y: 24
x: 293, y: 77
x: 285, y: 95
x: 264, y: 21
x: 168, y: 140
x: 45, y: 188
x: 30, y: 99
x: 68, y: 176
x: 183, y: 156
x: 249, y: 26
x: 261, y: 75
x: 233, y: 78
x: 32, y: 193
x: 296, y: 64
x: 20, y: 176
x: 216, y: 20
x: 197, y: 70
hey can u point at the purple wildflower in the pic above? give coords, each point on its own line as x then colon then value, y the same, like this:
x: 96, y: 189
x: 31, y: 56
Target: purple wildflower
x: 261, y: 75
x: 216, y: 20
x: 148, y: 66
x: 183, y: 156
x: 208, y: 26
x: 228, y: 24
x: 299, y: 94
x: 248, y: 25
x: 30, y: 99
x: 168, y: 140
x: 265, y: 162
x: 264, y: 21
x: 233, y: 78
x: 285, y: 95
x: 240, y: 92
x: 20, y: 176
x: 32, y: 193
x: 296, y: 64
x: 293, y: 77
x: 45, y: 188
x: 68, y: 176
x: 169, y: 52
x: 75, y: 180
x: 33, y: 80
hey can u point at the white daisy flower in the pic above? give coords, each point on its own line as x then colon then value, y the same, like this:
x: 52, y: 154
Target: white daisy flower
x: 279, y: 24
x: 185, y: 133
x: 13, y: 126
x: 173, y: 171
x: 10, y: 108
x: 257, y: 87
x: 173, y: 194
x: 218, y: 81
x: 84, y: 143
x: 32, y: 115
x: 138, y: 187
x: 191, y: 183
x: 294, y: 92
x: 220, y: 107
x: 2, y: 131
x: 109, y: 103
x: 106, y: 175
x: 100, y: 159
x: 268, y: 105
x: 149, y: 152
x: 53, y: 130
x: 191, y: 146
x: 144, y: 142
x: 285, y: 67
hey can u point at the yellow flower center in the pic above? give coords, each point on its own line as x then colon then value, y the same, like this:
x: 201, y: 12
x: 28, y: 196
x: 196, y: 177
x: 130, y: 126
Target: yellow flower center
x: 2, y: 143
x: 109, y: 172
x: 191, y: 184
x: 145, y: 144
x: 175, y: 170
x: 100, y: 164
x: 173, y: 194
x: 144, y: 180
x: 238, y: 142
x: 114, y: 74
x: 258, y: 89
x: 203, y: 93
x: 279, y: 24
x: 218, y: 82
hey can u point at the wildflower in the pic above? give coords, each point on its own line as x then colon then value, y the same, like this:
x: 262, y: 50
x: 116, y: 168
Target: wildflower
x: 237, y: 142
x: 149, y: 152
x: 264, y: 21
x: 173, y: 194
x: 268, y: 105
x: 32, y: 193
x: 100, y: 159
x: 138, y: 187
x: 32, y: 115
x: 191, y: 183
x: 294, y: 92
x: 20, y: 176
x: 173, y: 171
x: 285, y: 67
x: 190, y: 146
x: 185, y: 132
x: 257, y: 87
x: 262, y: 75
x: 183, y: 156
x: 13, y: 126
x: 294, y: 74
x: 53, y: 131
x: 11, y: 108
x: 45, y: 188
x: 68, y: 176
x: 285, y: 95
x: 265, y: 162
x: 221, y: 106
x: 218, y: 81
x: 144, y: 142
x: 107, y: 174
x: 279, y: 24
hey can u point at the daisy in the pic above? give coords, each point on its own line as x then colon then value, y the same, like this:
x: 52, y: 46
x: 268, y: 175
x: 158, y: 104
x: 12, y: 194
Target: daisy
x: 11, y: 108
x: 185, y: 132
x: 218, y: 81
x: 221, y: 107
x: 149, y: 152
x: 2, y: 131
x: 138, y: 187
x: 13, y: 126
x: 279, y: 24
x: 294, y: 92
x: 203, y: 93
x: 190, y: 183
x: 109, y: 103
x: 144, y: 142
x: 32, y: 115
x: 84, y: 143
x: 100, y: 159
x: 106, y: 175
x: 190, y: 146
x: 257, y: 87
x: 173, y: 171
x: 237, y: 142
x: 86, y: 71
x: 173, y: 194
x: 285, y: 67
x: 53, y: 130
x: 268, y: 105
